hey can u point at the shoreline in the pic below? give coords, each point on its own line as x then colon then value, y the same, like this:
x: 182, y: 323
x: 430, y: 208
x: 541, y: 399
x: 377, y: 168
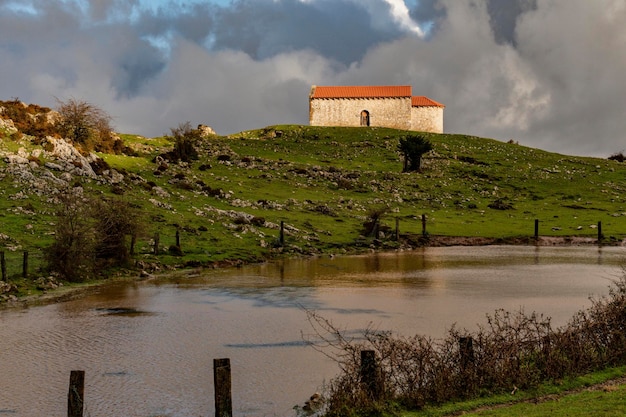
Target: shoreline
x: 435, y: 241
x: 73, y: 291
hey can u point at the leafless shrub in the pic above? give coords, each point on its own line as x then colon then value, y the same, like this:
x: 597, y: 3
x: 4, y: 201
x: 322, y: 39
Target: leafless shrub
x: 371, y: 226
x: 185, y: 140
x: 511, y: 351
x: 116, y: 220
x: 86, y: 125
x: 73, y: 251
x: 90, y: 235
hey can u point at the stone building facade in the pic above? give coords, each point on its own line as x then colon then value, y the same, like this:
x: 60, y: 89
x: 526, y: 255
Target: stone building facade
x: 384, y: 106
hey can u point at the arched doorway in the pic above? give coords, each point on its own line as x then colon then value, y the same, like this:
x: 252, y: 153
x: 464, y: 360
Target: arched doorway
x: 365, y: 118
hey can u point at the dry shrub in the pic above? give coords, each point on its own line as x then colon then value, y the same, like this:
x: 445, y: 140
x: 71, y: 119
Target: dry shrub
x: 86, y: 125
x: 90, y: 235
x: 29, y: 119
x: 72, y: 254
x: 371, y: 226
x: 185, y: 139
x: 511, y: 351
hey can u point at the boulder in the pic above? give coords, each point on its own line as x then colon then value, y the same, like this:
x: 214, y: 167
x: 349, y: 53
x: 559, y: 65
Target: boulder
x: 8, y: 126
x: 206, y: 131
x: 6, y: 288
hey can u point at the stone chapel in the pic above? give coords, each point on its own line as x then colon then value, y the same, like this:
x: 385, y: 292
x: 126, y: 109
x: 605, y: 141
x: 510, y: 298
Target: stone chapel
x: 384, y: 106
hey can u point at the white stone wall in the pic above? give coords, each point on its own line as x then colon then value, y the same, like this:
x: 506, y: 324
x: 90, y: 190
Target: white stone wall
x: 386, y: 112
x: 427, y: 119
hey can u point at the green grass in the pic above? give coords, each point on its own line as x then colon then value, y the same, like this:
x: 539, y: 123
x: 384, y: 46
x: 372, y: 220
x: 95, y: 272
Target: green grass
x: 323, y: 183
x: 590, y: 403
x: 572, y: 398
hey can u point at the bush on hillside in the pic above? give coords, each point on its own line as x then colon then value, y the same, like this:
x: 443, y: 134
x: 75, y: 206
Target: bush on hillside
x: 618, y: 156
x: 116, y: 220
x: 185, y: 140
x: 72, y: 253
x: 372, y: 226
x: 87, y: 126
x: 91, y: 235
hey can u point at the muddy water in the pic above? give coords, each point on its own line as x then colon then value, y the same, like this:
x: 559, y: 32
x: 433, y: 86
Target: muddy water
x: 148, y: 348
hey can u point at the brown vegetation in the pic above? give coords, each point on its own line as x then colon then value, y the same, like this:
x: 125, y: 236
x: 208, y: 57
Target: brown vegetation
x: 185, y: 140
x: 30, y: 119
x: 86, y: 125
x: 90, y: 236
x: 512, y: 351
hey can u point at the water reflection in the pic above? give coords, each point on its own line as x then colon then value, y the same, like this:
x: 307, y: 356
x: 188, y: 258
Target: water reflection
x: 147, y: 347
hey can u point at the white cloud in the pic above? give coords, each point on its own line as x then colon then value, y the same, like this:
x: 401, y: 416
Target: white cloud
x: 400, y: 13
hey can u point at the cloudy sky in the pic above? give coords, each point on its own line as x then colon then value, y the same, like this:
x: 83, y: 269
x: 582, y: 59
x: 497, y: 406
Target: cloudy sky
x: 547, y: 73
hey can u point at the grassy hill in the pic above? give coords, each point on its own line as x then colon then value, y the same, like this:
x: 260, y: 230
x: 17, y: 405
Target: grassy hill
x: 323, y: 184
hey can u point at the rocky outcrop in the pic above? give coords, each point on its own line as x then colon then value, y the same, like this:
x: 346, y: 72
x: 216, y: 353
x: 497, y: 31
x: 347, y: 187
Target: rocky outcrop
x: 7, y: 125
x: 7, y: 292
x: 206, y: 131
x: 56, y: 163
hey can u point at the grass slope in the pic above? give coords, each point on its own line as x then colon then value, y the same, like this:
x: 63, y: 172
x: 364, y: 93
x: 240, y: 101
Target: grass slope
x: 597, y: 394
x: 323, y: 183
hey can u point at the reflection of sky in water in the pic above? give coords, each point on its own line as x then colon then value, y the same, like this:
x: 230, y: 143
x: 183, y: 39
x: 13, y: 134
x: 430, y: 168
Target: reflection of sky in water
x: 283, y: 298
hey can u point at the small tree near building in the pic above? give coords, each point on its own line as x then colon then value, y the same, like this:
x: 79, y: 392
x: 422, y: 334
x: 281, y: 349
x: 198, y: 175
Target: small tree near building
x: 413, y: 147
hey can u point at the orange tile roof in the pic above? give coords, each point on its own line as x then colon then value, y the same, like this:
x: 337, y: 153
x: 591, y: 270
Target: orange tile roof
x: 422, y: 101
x: 361, y: 91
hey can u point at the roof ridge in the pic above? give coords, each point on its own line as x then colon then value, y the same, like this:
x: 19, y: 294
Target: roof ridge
x: 423, y: 101
x: 361, y: 91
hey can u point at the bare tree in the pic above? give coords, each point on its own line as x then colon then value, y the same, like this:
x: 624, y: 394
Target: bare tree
x: 85, y: 124
x: 71, y: 254
x: 91, y: 235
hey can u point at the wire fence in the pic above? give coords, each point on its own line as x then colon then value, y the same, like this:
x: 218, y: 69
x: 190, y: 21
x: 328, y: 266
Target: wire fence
x: 23, y: 264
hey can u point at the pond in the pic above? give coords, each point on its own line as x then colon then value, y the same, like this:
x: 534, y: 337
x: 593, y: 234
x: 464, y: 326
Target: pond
x: 148, y: 347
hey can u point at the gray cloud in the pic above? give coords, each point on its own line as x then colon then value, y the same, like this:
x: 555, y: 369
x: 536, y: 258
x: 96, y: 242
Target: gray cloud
x: 339, y: 30
x: 548, y: 73
x: 503, y: 16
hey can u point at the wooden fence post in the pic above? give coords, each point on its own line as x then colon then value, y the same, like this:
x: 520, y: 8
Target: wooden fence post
x: 370, y: 375
x: 178, y: 238
x: 466, y: 349
x: 423, y: 224
x: 282, y: 234
x: 397, y: 229
x: 222, y: 384
x: 600, y: 236
x: 536, y: 229
x: 466, y: 353
x: 25, y: 265
x: 75, y: 396
x: 156, y: 243
x: 3, y: 266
